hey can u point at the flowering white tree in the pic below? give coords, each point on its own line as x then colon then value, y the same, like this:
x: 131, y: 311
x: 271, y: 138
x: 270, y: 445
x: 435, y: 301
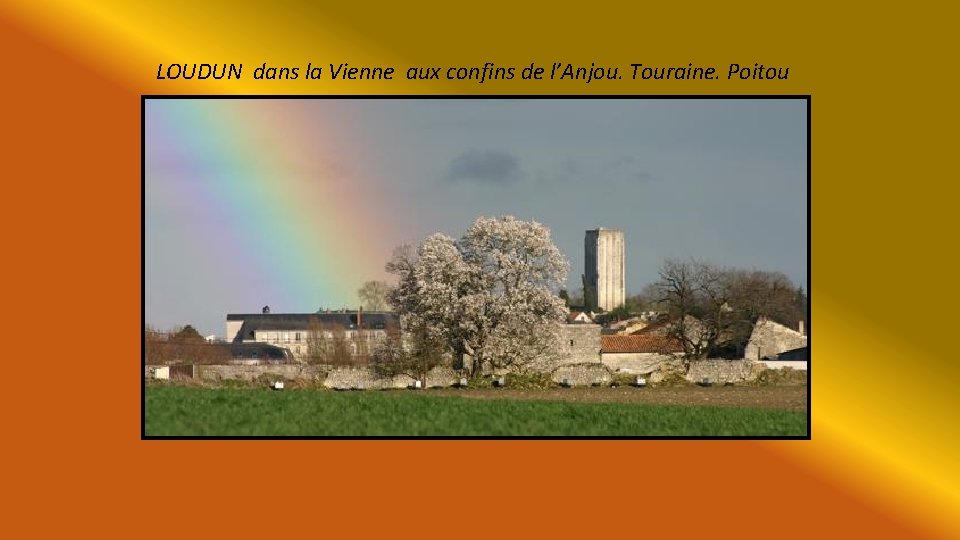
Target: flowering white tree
x: 489, y: 294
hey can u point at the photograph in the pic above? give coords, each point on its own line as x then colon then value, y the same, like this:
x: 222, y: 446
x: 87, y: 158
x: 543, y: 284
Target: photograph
x: 475, y: 267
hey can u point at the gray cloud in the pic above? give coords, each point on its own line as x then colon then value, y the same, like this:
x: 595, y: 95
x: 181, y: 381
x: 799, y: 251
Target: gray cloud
x: 485, y: 166
x: 627, y: 169
x: 620, y: 171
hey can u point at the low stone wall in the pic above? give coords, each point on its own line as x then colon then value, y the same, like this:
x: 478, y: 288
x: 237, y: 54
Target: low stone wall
x: 156, y: 372
x: 251, y: 373
x: 585, y: 374
x: 639, y: 363
x: 367, y: 379
x: 362, y: 379
x: 800, y: 365
x: 723, y: 371
x: 340, y: 378
x: 582, y: 374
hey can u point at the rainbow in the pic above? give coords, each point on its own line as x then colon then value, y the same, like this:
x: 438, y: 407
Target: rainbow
x: 281, y: 216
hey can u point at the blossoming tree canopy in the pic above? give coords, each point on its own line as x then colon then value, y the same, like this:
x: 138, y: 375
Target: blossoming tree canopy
x: 491, y: 294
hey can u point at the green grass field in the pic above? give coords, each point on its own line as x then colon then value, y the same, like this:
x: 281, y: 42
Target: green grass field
x: 259, y: 412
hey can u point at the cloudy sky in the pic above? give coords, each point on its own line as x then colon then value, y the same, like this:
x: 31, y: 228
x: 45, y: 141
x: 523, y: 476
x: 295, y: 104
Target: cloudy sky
x: 718, y: 179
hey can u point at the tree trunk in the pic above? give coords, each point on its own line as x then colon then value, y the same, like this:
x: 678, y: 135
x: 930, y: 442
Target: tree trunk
x: 477, y: 367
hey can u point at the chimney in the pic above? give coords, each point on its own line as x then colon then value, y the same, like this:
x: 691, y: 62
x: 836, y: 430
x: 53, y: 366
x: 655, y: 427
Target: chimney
x: 360, y: 319
x: 803, y: 330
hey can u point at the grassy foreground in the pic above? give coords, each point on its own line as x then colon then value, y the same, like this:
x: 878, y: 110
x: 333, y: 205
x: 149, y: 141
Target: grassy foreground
x: 259, y: 412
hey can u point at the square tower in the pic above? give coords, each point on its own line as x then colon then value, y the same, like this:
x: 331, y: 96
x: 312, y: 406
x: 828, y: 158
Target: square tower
x: 604, y: 286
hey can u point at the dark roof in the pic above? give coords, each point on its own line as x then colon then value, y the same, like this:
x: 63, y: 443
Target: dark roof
x: 376, y: 320
x: 258, y: 350
x: 802, y: 353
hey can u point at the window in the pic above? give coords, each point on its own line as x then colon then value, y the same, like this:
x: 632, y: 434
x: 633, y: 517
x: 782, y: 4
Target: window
x: 571, y: 343
x: 297, y: 336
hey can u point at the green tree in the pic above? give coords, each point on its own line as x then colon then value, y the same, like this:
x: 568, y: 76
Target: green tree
x: 188, y: 334
x: 619, y: 313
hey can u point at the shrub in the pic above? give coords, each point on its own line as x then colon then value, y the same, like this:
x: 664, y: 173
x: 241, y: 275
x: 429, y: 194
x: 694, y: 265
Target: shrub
x: 480, y: 381
x: 626, y: 379
x: 303, y: 383
x: 236, y: 383
x: 781, y: 377
x: 527, y: 381
x: 673, y: 379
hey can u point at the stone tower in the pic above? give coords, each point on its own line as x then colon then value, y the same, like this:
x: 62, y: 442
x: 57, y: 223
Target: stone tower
x: 604, y: 284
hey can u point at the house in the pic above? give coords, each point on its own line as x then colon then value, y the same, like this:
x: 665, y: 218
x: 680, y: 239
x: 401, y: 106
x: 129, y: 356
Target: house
x: 658, y: 328
x: 771, y: 338
x: 694, y: 329
x: 626, y: 327
x: 641, y: 352
x: 794, y: 359
x: 801, y: 354
x: 295, y: 332
x: 581, y: 317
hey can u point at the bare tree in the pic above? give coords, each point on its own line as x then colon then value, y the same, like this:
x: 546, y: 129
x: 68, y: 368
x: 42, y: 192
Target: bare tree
x: 182, y: 345
x: 327, y: 343
x: 413, y: 356
x: 373, y: 295
x: 758, y: 293
x: 648, y: 299
x: 695, y: 295
x: 316, y: 342
x: 340, y: 353
x: 712, y: 309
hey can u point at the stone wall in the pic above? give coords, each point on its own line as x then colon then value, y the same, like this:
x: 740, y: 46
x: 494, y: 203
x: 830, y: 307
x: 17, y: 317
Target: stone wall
x: 639, y: 363
x: 366, y: 379
x: 339, y: 378
x: 156, y: 372
x: 582, y: 374
x: 723, y: 371
x: 579, y: 344
x: 362, y: 379
x: 799, y: 365
x: 770, y: 338
x: 250, y: 373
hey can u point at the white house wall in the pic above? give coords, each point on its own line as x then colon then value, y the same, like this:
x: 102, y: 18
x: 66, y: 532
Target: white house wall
x: 800, y: 365
x: 770, y: 338
x: 232, y: 328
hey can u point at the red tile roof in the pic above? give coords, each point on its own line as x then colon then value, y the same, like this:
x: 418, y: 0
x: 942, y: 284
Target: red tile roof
x: 643, y: 343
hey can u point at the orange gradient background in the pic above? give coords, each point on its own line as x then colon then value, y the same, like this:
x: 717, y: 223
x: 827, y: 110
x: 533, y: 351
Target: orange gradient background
x: 882, y: 459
